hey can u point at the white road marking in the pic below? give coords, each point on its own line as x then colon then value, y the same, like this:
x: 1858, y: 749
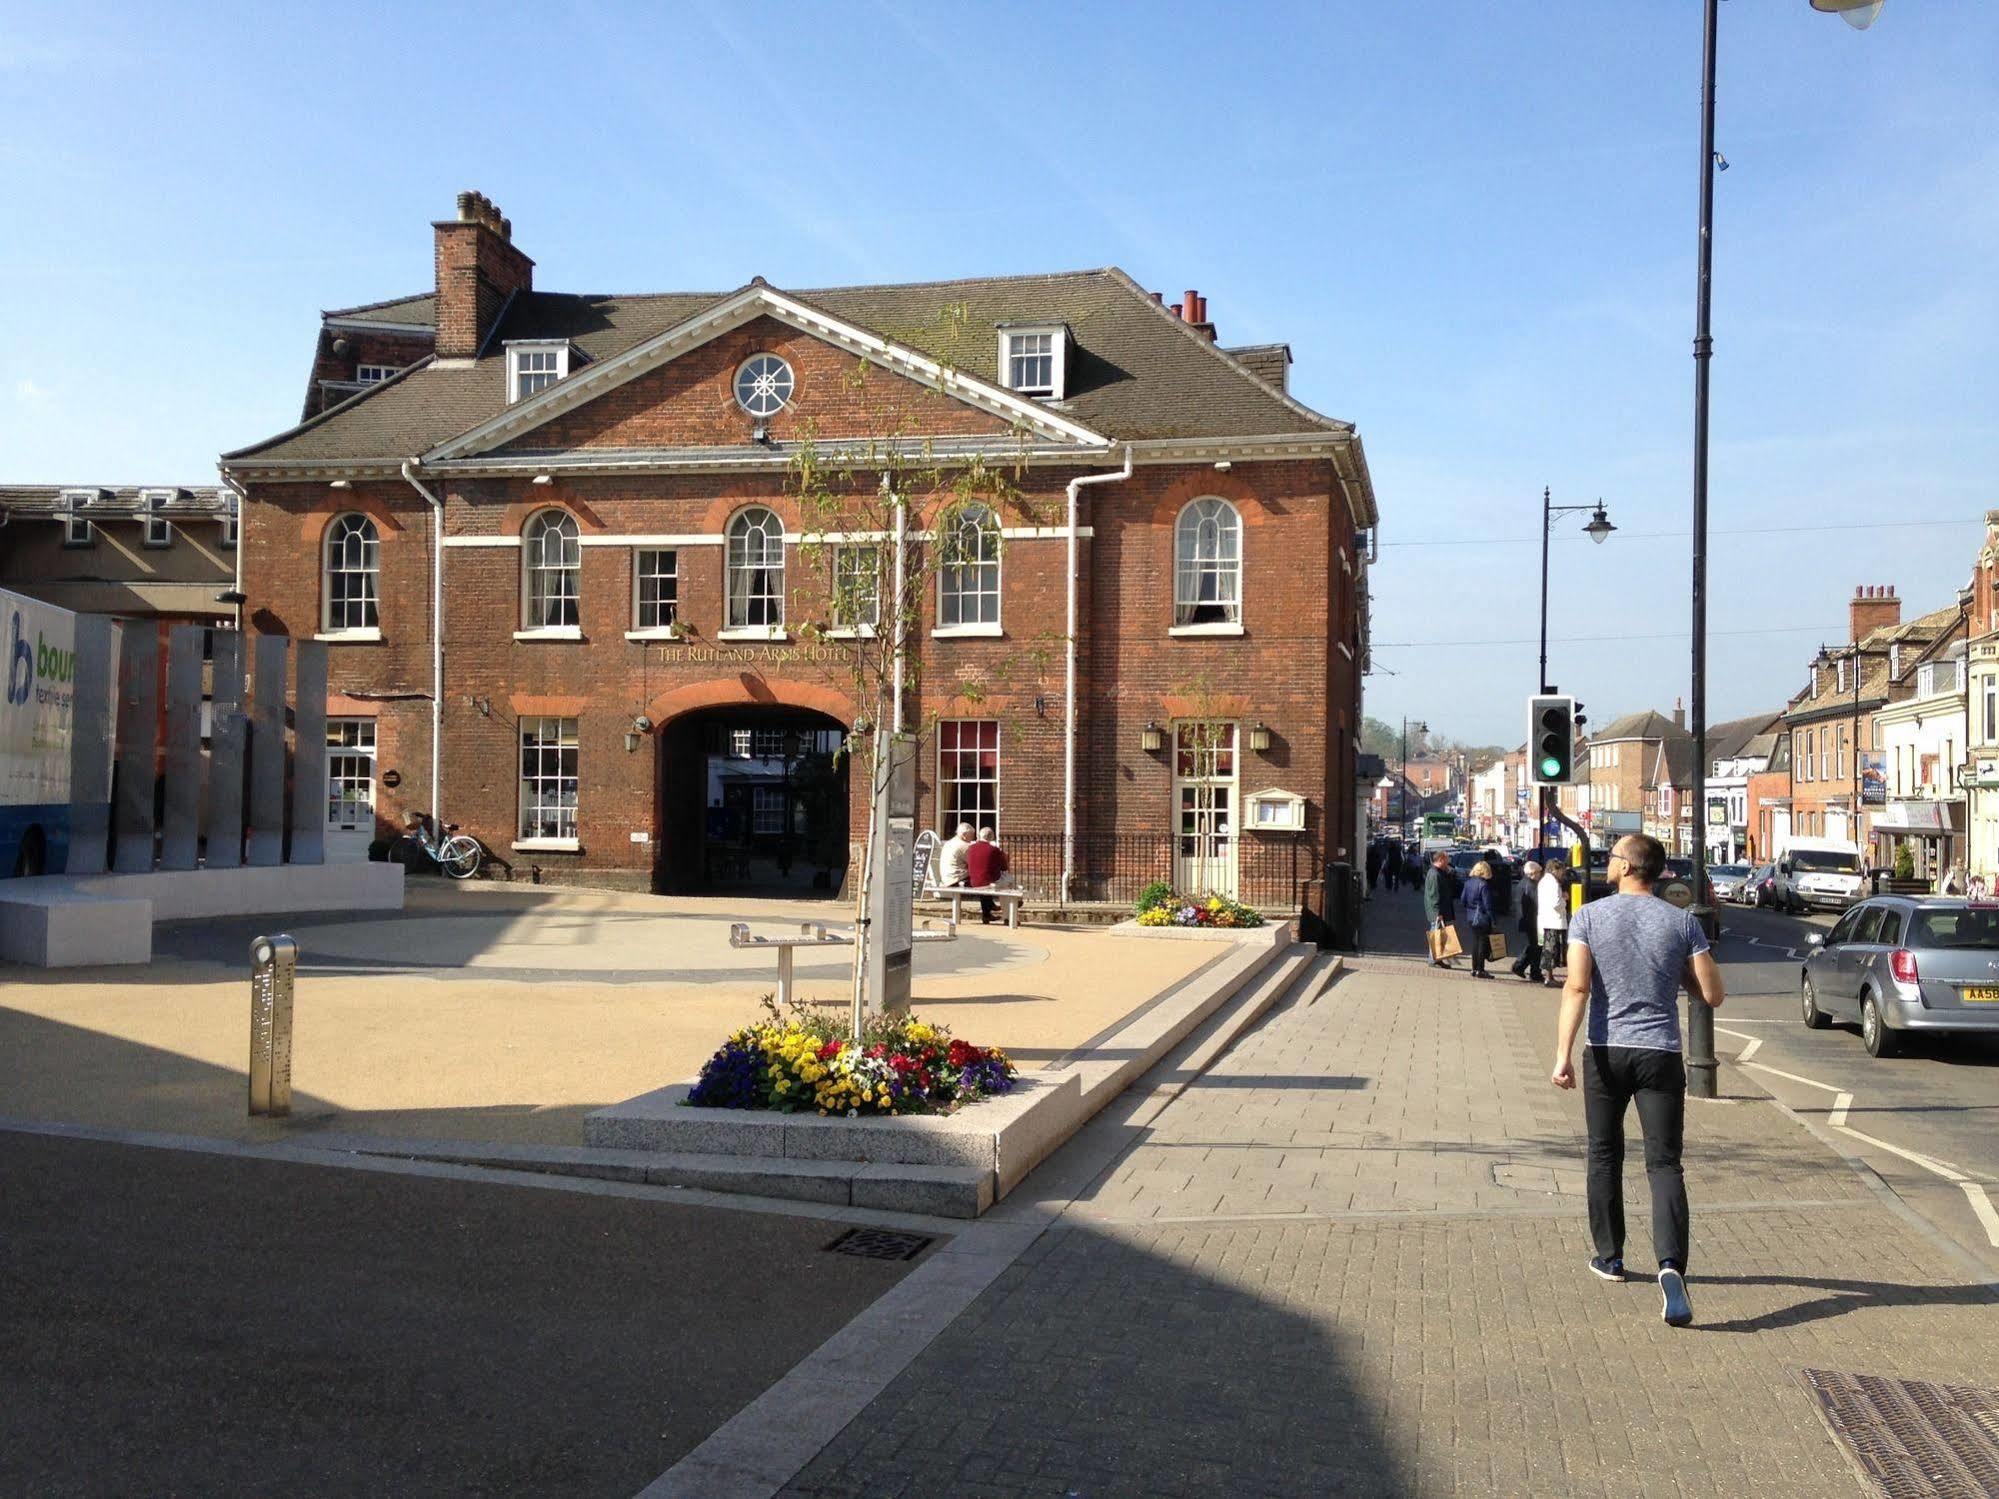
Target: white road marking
x: 1837, y: 1118
x: 1755, y: 1042
x: 1988, y: 1216
x: 1793, y: 1077
x: 1944, y: 1169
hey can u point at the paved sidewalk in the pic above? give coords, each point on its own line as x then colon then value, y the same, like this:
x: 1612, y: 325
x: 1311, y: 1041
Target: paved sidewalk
x: 1350, y: 1259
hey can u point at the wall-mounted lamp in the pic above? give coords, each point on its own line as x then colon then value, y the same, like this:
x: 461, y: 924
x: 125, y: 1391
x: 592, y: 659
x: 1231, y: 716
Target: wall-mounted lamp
x: 760, y: 434
x: 641, y: 726
x: 483, y: 704
x: 1259, y: 739
x: 1223, y: 466
x: 341, y: 484
x: 1151, y: 738
x: 1041, y: 707
x: 542, y: 479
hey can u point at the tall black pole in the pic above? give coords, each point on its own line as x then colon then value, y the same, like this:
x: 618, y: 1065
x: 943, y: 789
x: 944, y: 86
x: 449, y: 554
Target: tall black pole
x: 1701, y: 1066
x: 1547, y: 518
x: 1402, y: 787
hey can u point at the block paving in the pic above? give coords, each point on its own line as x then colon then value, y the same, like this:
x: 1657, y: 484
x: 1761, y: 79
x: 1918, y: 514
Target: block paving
x: 1350, y: 1259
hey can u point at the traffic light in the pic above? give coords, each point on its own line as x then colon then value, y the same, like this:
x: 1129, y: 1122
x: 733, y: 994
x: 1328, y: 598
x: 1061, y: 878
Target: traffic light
x: 1551, y: 739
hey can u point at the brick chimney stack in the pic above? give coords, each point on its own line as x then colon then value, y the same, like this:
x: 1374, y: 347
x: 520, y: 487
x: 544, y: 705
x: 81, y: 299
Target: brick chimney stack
x: 1679, y: 713
x: 1874, y: 607
x: 478, y: 268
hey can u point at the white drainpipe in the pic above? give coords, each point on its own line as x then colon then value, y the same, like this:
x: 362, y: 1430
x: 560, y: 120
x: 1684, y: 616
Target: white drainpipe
x: 436, y: 644
x: 901, y: 576
x: 1069, y: 678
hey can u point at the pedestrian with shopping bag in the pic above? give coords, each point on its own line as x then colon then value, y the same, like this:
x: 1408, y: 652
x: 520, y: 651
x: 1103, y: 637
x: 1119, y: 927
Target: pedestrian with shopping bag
x: 1476, y: 904
x: 1440, y: 889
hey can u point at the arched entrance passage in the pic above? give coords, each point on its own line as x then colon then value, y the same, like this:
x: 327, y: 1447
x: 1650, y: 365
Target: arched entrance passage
x: 753, y: 790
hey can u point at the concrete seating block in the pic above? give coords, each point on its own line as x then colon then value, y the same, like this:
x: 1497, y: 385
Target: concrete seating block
x: 46, y: 923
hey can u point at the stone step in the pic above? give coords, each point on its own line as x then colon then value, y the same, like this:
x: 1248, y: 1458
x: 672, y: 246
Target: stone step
x: 1280, y: 980
x: 936, y: 1190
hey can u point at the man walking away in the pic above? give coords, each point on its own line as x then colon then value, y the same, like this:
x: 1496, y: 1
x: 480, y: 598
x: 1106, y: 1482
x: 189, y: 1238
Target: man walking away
x: 1376, y: 852
x: 1528, y: 964
x: 1551, y: 906
x: 1628, y: 956
x: 1439, y: 903
x: 985, y: 862
x: 1478, y: 911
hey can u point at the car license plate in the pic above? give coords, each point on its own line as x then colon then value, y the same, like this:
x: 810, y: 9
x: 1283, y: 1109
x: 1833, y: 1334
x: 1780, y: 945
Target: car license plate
x: 1981, y: 996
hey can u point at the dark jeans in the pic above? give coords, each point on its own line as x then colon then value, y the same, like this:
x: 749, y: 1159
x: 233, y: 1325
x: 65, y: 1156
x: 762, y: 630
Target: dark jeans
x: 1613, y: 1076
x: 1528, y: 964
x: 1479, y: 945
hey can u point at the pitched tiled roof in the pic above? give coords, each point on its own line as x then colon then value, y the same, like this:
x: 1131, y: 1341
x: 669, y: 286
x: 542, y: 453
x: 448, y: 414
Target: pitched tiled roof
x: 1726, y: 741
x: 1641, y: 725
x: 47, y: 499
x: 419, y: 311
x: 1137, y: 372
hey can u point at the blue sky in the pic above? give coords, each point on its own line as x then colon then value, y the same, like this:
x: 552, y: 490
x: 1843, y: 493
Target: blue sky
x: 1474, y: 224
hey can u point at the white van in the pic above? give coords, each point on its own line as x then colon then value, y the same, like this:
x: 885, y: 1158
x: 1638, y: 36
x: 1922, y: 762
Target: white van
x: 1825, y: 873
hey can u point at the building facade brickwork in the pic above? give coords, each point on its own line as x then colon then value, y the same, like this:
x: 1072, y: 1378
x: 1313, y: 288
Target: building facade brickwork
x: 657, y: 734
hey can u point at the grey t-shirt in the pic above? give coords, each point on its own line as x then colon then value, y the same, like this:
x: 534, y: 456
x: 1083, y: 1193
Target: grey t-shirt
x: 1638, y: 947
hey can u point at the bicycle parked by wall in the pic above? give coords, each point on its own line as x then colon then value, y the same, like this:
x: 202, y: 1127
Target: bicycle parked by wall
x: 457, y: 854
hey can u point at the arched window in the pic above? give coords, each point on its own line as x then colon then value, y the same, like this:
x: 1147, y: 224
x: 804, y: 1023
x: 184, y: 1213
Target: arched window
x: 1207, y: 564
x: 551, y: 560
x: 352, y: 591
x: 756, y: 570
x: 968, y: 574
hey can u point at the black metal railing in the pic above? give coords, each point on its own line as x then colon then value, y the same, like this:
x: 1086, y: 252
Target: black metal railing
x: 1112, y: 868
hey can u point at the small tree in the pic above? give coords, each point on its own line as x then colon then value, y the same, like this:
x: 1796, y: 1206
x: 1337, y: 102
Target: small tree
x: 1905, y: 861
x: 886, y: 518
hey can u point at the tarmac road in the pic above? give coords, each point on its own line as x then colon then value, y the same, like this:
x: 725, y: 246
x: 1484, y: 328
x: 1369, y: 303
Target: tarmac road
x: 1938, y: 1099
x: 185, y: 1323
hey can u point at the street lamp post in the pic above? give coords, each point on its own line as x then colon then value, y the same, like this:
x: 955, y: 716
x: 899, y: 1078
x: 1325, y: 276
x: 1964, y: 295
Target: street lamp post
x: 1402, y: 788
x: 1860, y: 14
x: 1597, y: 530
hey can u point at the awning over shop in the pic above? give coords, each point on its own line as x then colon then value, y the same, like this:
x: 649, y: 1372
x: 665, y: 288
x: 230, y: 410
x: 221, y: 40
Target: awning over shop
x: 1920, y: 817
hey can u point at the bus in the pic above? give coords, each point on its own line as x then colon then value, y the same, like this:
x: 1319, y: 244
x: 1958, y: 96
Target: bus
x: 40, y: 678
x: 1439, y: 827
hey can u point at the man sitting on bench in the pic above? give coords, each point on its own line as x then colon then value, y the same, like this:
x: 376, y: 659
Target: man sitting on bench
x: 985, y: 862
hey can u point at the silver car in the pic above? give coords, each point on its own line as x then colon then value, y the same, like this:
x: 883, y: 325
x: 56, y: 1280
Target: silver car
x: 1726, y: 879
x: 1905, y: 963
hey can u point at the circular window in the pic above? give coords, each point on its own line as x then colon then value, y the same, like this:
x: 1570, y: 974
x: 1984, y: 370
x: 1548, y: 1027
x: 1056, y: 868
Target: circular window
x: 763, y: 385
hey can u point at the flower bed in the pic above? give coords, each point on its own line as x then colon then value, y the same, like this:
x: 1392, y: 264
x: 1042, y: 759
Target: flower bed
x: 1160, y: 906
x: 803, y: 1062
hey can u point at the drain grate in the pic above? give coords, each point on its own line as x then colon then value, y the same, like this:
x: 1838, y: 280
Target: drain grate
x: 1910, y: 1439
x: 880, y: 1244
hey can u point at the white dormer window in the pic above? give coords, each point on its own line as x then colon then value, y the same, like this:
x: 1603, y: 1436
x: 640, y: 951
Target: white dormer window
x: 1034, y: 359
x: 159, y: 530
x: 535, y: 364
x: 1839, y: 667
x: 77, y: 530
x: 374, y: 374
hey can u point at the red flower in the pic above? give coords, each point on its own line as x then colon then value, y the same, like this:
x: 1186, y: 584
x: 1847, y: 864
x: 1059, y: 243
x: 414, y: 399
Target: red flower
x: 830, y: 1050
x: 964, y: 1054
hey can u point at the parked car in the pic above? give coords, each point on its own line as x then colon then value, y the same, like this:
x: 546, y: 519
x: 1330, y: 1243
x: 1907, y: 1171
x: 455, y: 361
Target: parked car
x: 1898, y: 963
x: 1760, y: 888
x: 1822, y: 873
x: 1725, y: 879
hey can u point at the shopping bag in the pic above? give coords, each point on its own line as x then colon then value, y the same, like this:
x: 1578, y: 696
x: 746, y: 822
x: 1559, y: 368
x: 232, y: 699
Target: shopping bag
x: 1497, y: 945
x: 1448, y: 937
x: 1436, y: 935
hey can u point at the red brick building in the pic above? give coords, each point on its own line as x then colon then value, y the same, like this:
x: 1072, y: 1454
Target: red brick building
x: 641, y: 672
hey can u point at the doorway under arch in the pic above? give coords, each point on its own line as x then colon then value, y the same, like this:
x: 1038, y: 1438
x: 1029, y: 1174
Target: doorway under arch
x: 753, y: 800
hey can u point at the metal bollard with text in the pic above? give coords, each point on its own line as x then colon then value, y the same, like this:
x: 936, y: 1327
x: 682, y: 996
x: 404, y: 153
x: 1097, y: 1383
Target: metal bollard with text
x: 273, y: 970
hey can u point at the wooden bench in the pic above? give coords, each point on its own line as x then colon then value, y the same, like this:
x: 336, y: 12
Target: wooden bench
x: 1012, y: 896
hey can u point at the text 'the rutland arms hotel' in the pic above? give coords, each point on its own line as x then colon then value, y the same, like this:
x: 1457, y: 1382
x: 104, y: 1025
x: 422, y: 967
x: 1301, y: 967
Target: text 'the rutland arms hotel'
x: 640, y: 683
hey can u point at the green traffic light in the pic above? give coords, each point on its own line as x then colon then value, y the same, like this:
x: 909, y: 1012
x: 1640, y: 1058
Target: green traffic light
x: 1550, y: 766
